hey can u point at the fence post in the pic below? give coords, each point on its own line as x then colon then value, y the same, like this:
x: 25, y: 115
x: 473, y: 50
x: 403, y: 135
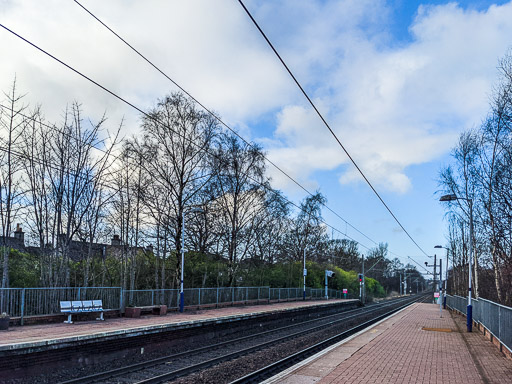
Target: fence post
x: 499, y: 324
x: 79, y: 297
x: 152, y: 297
x: 246, y: 294
x: 22, y: 304
x: 217, y: 303
x: 199, y: 296
x: 121, y: 299
x: 232, y: 295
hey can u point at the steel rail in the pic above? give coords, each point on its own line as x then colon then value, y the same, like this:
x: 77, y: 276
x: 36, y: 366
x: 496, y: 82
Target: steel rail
x: 278, y: 366
x: 133, y: 368
x: 230, y: 356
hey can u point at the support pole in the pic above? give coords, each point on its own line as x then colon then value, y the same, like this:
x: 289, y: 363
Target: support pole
x: 304, y: 273
x: 435, y: 278
x: 440, y: 287
x: 182, y: 296
x: 405, y: 282
x: 469, y: 312
x: 445, y: 280
x: 364, y: 288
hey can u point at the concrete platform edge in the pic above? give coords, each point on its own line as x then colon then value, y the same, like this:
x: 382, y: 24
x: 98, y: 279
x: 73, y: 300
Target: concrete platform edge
x: 30, y: 347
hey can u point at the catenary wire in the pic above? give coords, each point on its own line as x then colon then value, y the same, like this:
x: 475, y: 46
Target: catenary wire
x: 119, y: 190
x: 58, y: 169
x: 216, y: 117
x: 328, y: 126
x: 146, y: 114
x: 227, y: 126
x: 62, y: 132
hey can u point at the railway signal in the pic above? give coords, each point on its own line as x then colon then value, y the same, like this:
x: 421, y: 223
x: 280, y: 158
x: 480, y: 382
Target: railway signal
x: 361, y: 285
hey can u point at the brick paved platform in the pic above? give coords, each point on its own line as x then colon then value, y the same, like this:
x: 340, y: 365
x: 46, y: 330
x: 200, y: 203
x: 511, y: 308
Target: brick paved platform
x: 413, y: 346
x: 39, y: 337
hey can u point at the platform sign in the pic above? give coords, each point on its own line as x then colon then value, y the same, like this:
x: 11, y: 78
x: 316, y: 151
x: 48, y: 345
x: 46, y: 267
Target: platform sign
x: 436, y: 294
x: 305, y: 272
x: 345, y: 290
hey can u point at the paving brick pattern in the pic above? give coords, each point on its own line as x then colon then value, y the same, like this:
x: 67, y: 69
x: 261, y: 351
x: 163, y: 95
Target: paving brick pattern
x: 400, y: 351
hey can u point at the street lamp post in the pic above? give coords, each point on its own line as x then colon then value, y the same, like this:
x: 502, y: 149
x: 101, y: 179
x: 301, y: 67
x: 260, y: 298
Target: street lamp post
x: 445, y: 275
x: 327, y: 275
x: 182, y: 296
x: 469, y: 312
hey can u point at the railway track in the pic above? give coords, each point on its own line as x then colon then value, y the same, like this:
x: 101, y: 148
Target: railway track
x: 316, y: 334
x: 274, y: 368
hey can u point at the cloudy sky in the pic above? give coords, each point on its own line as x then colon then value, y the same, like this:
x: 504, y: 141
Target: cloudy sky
x: 397, y: 81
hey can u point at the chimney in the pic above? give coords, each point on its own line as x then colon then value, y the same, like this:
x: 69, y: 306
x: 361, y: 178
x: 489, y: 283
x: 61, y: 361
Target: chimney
x: 18, y: 233
x: 116, y: 240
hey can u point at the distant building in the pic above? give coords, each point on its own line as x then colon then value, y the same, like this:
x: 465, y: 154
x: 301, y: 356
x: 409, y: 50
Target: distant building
x: 77, y: 250
x: 17, y: 241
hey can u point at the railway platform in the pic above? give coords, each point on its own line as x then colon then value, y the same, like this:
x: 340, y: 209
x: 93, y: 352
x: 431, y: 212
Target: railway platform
x: 416, y: 345
x: 44, y: 336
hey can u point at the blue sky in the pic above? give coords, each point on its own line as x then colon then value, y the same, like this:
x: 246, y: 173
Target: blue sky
x: 404, y: 12
x: 397, y: 80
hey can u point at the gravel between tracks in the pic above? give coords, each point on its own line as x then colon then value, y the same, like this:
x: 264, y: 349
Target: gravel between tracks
x: 221, y: 373
x: 232, y: 370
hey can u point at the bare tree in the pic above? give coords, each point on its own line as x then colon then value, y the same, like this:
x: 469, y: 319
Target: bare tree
x: 482, y: 173
x: 239, y: 171
x: 65, y: 172
x: 306, y: 230
x: 12, y: 125
x: 177, y: 141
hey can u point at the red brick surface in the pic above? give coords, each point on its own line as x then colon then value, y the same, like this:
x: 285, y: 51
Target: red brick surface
x: 399, y: 351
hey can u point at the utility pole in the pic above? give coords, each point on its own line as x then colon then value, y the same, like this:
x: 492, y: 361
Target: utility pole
x: 405, y: 282
x: 305, y: 272
x: 445, y: 290
x: 441, y: 287
x: 469, y: 309
x: 446, y: 280
x: 364, y: 293
x: 435, y: 277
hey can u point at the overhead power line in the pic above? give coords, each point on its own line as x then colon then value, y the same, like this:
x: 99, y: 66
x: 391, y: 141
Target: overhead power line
x: 327, y: 125
x: 224, y: 124
x: 62, y: 132
x: 218, y: 118
x: 152, y: 118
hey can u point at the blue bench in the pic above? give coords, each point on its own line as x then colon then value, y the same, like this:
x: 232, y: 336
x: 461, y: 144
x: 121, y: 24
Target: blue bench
x: 79, y: 306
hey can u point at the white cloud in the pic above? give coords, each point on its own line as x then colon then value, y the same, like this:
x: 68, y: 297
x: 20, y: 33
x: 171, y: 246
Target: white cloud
x: 392, y: 106
x: 207, y: 47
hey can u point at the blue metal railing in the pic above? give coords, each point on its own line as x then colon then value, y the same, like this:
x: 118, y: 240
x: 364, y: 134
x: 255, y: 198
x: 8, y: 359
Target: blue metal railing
x: 496, y: 318
x: 22, y: 302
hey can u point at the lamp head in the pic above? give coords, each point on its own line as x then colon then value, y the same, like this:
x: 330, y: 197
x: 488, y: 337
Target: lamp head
x: 448, y: 197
